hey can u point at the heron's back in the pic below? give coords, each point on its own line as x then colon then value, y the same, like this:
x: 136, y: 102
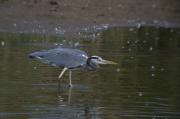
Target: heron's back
x: 62, y: 57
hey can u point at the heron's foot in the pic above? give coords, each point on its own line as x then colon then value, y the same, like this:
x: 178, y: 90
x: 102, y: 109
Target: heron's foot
x: 70, y: 85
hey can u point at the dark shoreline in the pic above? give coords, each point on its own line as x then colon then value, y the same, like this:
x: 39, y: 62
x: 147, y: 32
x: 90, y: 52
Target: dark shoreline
x: 69, y: 17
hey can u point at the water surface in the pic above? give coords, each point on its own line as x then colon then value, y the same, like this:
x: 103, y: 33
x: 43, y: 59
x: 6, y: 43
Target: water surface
x: 145, y: 83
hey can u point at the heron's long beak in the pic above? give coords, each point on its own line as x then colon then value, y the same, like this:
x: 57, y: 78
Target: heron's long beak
x: 107, y: 62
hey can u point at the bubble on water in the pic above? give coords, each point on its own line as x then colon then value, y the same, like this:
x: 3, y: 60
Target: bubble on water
x: 60, y: 100
x: 154, y: 5
x: 155, y: 21
x: 79, y: 33
x: 34, y: 68
x: 131, y: 57
x: 2, y: 43
x: 151, y: 48
x: 129, y: 49
x: 118, y: 69
x: 162, y: 69
x: 105, y: 26
x: 152, y: 67
x: 144, y: 41
x: 59, y: 30
x: 98, y: 34
x: 128, y: 42
x: 76, y: 44
x: 64, y: 41
x: 109, y: 8
x: 122, y: 47
x: 131, y: 29
x: 140, y: 93
x: 56, y: 44
x: 14, y: 24
x: 153, y: 75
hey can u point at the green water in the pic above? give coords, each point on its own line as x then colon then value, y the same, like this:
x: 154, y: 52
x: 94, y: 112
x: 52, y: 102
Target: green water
x: 145, y: 83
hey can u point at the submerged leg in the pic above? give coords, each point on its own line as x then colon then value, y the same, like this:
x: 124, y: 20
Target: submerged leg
x: 69, y: 95
x: 70, y: 77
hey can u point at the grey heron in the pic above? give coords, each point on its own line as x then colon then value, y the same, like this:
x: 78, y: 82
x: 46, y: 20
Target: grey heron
x: 69, y: 59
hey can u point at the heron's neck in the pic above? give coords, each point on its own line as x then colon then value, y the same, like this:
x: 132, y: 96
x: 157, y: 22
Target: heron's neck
x: 91, y: 65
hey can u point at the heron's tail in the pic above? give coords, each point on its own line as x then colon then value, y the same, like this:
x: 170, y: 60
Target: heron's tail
x: 38, y: 54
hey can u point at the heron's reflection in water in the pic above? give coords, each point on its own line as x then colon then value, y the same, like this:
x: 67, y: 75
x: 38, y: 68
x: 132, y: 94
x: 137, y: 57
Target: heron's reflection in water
x: 70, y: 108
x: 61, y: 94
x: 69, y: 95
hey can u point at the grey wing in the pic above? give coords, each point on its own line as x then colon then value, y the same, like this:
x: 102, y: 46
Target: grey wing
x: 64, y: 57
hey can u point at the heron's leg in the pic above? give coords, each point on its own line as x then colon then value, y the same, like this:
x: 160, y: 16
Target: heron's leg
x: 62, y: 72
x: 70, y: 77
x: 60, y: 75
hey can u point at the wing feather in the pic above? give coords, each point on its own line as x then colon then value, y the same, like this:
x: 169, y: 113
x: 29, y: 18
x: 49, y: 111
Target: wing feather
x: 63, y: 57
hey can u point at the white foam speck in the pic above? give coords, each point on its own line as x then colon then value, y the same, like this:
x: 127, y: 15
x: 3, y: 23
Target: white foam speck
x: 162, y: 69
x: 152, y: 75
x: 151, y: 48
x: 140, y: 93
x: 152, y: 67
x: 118, y: 69
x: 14, y: 24
x: 2, y: 43
x: 76, y: 44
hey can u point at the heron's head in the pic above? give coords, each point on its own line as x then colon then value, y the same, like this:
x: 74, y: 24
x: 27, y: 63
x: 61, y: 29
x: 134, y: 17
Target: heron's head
x: 99, y: 60
x: 94, y: 62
